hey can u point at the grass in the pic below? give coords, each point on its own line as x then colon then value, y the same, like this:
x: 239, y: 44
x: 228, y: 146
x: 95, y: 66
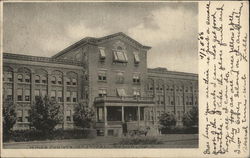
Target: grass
x: 140, y: 141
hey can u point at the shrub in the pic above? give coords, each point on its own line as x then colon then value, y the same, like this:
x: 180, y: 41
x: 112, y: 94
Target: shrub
x: 45, y: 114
x: 140, y: 141
x: 83, y: 116
x: 167, y: 120
x: 181, y: 130
x: 9, y: 118
x: 59, y: 134
x: 190, y: 118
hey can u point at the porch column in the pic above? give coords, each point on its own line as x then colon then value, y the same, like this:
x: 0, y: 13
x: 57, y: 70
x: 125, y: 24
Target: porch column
x: 123, y: 114
x: 139, y: 117
x: 105, y: 116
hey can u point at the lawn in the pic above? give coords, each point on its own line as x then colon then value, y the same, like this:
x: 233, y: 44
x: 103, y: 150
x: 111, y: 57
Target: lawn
x: 168, y: 141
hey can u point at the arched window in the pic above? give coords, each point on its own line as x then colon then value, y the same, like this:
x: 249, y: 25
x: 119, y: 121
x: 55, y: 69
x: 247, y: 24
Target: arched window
x: 37, y: 79
x: 68, y: 81
x: 20, y: 78
x: 53, y: 80
x: 59, y: 80
x: 74, y: 82
x: 27, y: 78
x: 44, y: 79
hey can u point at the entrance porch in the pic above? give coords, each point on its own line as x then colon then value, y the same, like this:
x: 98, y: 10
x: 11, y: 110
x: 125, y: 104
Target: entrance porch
x: 117, y: 116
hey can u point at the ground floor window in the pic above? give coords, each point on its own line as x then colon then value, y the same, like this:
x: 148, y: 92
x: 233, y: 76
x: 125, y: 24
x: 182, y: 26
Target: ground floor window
x: 130, y: 113
x: 114, y: 113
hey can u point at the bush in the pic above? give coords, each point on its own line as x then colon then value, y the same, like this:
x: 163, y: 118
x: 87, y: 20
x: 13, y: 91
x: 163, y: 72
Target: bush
x: 9, y: 118
x: 83, y: 116
x: 190, y: 118
x: 140, y: 141
x: 167, y: 121
x: 59, y: 134
x: 181, y: 130
x: 45, y: 114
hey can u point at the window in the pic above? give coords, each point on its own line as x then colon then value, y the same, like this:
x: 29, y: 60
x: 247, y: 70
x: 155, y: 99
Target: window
x: 73, y: 81
x: 136, y: 92
x: 59, y: 96
x: 37, y: 79
x: 9, y: 77
x: 120, y: 56
x: 19, y: 116
x: 9, y: 94
x: 74, y: 97
x: 102, y: 92
x: 167, y: 88
x: 19, y: 95
x: 44, y: 92
x: 136, y: 78
x: 68, y: 81
x: 150, y: 85
x: 187, y: 98
x: 20, y: 78
x: 44, y: 79
x: 102, y: 53
x: 68, y: 115
x: 120, y: 77
x: 68, y: 98
x: 37, y: 92
x: 172, y: 100
x: 27, y: 95
x: 137, y: 59
x: 102, y: 76
x: 100, y: 112
x: 27, y: 78
x: 53, y: 95
x: 53, y: 80
x: 121, y: 92
x: 59, y: 80
x: 26, y: 116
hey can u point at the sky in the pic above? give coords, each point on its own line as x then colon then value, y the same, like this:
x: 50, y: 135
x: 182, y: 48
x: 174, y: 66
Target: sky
x: 43, y: 29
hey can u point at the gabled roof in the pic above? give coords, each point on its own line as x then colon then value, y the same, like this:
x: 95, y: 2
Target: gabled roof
x: 95, y: 41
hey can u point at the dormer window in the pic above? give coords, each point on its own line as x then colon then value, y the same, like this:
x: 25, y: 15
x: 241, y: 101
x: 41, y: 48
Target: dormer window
x: 137, y: 59
x: 102, y: 54
x: 120, y: 56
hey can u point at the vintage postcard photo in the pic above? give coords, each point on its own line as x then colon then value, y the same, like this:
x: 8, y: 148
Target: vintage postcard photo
x: 125, y: 79
x: 100, y: 75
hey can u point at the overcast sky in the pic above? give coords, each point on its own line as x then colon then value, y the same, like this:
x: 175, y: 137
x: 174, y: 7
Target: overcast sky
x: 43, y: 29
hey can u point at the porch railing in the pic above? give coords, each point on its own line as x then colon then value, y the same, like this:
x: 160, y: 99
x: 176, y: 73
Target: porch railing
x: 124, y: 99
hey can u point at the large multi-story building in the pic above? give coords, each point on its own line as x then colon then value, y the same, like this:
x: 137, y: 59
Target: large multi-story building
x: 110, y: 74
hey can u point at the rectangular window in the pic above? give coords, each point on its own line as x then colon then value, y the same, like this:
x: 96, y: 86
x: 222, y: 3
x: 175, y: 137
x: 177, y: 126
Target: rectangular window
x: 120, y: 56
x: 121, y: 92
x: 120, y: 77
x: 137, y: 59
x: 68, y: 115
x: 37, y: 92
x: 19, y: 95
x: 68, y: 97
x: 26, y: 116
x: 27, y: 95
x: 74, y: 96
x: 9, y: 94
x: 27, y: 78
x: 102, y: 92
x: 136, y: 78
x: 102, y: 53
x: 59, y: 96
x: 53, y: 95
x: 136, y: 92
x: 44, y: 92
x: 19, y: 116
x: 102, y: 76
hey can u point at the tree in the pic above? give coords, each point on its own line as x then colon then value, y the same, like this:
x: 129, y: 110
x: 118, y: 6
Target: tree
x: 190, y: 118
x: 167, y: 120
x: 83, y: 116
x: 45, y: 114
x: 9, y: 116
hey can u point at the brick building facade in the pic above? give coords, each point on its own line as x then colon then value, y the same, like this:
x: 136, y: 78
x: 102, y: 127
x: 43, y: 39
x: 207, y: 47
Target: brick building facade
x: 110, y: 74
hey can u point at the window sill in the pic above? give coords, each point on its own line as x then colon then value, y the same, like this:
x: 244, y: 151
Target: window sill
x: 23, y: 101
x: 26, y: 83
x: 104, y: 81
x: 41, y: 84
